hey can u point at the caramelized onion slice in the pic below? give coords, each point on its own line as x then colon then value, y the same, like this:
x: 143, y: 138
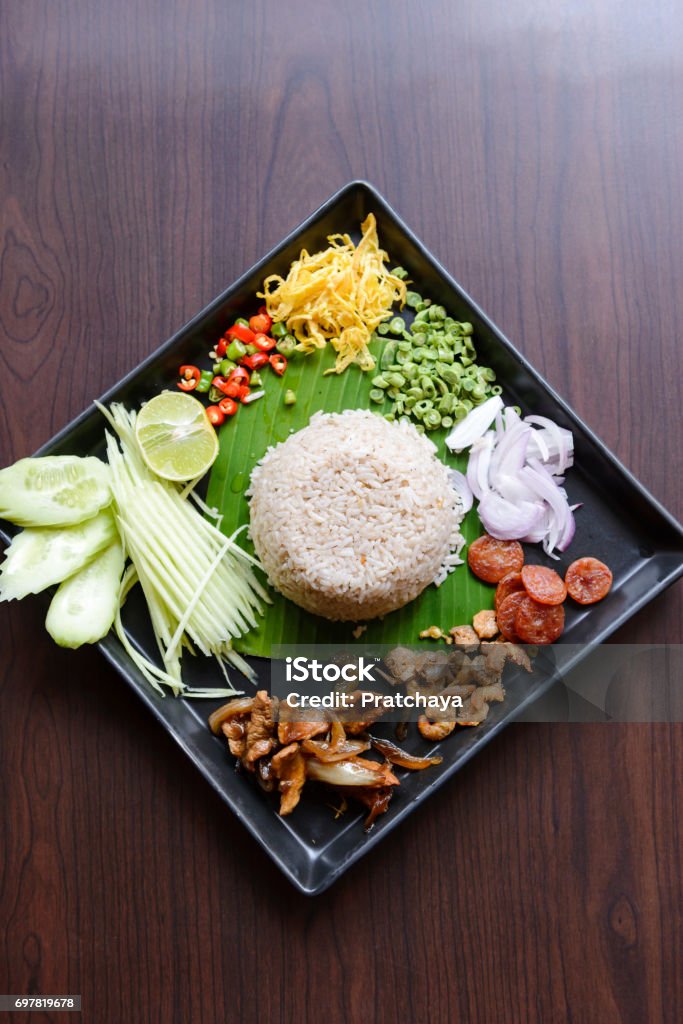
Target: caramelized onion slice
x: 328, y: 753
x: 240, y: 706
x: 355, y: 771
x: 400, y: 757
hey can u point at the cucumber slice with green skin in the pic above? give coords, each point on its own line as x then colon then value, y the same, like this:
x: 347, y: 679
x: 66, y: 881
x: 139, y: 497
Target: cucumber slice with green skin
x: 38, y: 558
x: 54, y: 490
x: 83, y: 609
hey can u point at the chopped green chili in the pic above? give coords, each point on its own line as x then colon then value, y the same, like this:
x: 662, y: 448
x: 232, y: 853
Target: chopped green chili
x: 286, y: 346
x: 236, y: 350
x: 205, y: 379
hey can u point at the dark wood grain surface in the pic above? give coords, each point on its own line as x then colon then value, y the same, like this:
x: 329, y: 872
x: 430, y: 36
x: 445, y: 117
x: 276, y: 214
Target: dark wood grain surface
x: 150, y: 153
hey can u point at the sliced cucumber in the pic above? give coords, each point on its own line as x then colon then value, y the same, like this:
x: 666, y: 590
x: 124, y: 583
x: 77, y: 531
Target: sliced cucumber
x: 83, y: 609
x: 55, y: 490
x: 39, y: 557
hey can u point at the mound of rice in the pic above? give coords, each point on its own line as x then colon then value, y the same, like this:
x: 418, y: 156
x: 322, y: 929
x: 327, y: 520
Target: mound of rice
x: 352, y: 517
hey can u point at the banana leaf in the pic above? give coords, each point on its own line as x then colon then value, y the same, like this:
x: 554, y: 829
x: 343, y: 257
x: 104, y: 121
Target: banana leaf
x: 244, y: 441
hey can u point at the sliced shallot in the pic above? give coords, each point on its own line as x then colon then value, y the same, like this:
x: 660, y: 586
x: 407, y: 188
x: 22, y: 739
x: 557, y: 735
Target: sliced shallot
x: 475, y: 424
x: 507, y: 520
x: 515, y: 471
x: 558, y: 442
x: 478, y: 465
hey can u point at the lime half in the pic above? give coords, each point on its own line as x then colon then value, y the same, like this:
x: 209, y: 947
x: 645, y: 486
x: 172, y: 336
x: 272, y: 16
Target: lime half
x: 176, y: 437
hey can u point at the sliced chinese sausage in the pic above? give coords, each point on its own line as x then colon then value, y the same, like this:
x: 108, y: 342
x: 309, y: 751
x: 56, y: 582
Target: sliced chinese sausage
x: 506, y: 613
x: 538, y: 623
x: 509, y: 584
x: 588, y: 580
x: 491, y: 559
x: 543, y: 585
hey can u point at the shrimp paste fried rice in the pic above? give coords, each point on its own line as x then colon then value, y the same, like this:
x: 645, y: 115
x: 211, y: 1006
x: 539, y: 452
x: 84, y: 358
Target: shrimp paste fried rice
x: 353, y: 516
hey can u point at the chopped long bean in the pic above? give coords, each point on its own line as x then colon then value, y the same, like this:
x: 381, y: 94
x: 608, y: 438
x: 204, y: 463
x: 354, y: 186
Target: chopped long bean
x: 428, y: 371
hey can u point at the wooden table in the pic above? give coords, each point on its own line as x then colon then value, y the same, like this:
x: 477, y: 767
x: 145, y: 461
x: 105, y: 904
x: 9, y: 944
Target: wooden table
x: 151, y: 152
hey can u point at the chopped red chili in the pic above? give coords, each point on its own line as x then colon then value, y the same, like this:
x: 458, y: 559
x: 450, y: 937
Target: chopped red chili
x: 242, y: 333
x: 261, y: 323
x: 278, y: 363
x: 215, y: 415
x: 189, y: 378
x: 255, y: 361
x: 221, y: 383
x: 227, y: 406
x: 233, y: 389
x: 239, y: 374
x: 263, y: 342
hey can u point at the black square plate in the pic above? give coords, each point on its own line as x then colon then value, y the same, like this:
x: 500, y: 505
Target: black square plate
x: 641, y: 542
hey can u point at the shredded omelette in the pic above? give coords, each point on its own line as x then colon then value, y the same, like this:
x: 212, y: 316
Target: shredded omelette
x: 339, y: 296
